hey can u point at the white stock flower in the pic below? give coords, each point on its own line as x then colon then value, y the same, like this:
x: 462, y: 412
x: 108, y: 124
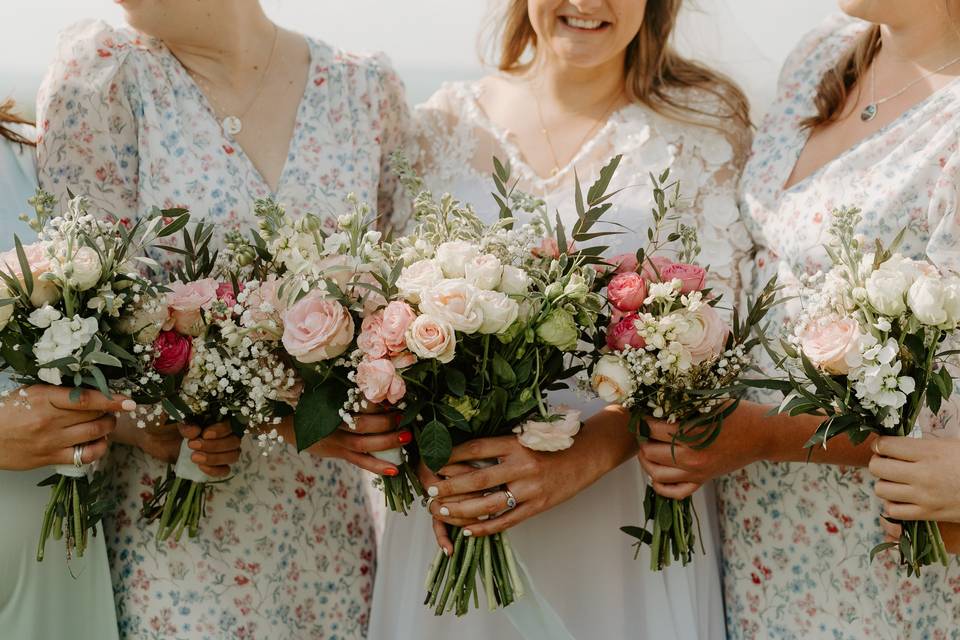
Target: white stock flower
x: 454, y: 255
x: 612, y: 380
x: 50, y: 376
x: 454, y: 301
x: 43, y: 317
x: 484, y: 271
x: 927, y: 300
x: 514, y: 281
x: 418, y: 276
x: 550, y: 435
x: 64, y: 337
x: 666, y: 291
x: 498, y: 310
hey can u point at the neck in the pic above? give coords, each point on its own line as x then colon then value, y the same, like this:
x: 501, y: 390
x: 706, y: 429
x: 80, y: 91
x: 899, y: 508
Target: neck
x: 927, y: 39
x: 577, y: 88
x: 224, y: 42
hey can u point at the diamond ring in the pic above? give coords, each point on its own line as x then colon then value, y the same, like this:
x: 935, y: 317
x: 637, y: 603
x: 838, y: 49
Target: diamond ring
x: 511, y: 499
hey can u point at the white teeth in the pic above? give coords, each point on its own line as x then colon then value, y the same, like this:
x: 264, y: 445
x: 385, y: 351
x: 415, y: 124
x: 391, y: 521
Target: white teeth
x: 580, y: 23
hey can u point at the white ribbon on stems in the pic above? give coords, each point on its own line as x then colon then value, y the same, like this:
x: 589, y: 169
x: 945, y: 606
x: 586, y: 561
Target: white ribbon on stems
x: 187, y: 468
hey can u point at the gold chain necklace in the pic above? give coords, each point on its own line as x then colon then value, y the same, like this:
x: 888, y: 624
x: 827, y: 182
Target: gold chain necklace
x: 546, y: 132
x: 233, y: 124
x: 871, y: 110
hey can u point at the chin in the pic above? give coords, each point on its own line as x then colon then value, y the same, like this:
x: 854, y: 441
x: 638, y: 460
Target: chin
x: 876, y: 11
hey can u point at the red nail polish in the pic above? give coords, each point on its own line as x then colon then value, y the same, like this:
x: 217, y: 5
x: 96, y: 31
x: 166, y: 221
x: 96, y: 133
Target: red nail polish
x: 405, y: 437
x: 392, y: 472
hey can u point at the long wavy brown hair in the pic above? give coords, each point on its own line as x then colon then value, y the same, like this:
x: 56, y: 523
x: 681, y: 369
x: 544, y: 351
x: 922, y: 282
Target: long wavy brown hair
x: 9, y: 117
x: 653, y: 70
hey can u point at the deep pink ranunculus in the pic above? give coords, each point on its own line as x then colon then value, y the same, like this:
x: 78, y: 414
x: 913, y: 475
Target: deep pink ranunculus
x: 627, y: 291
x: 694, y: 278
x: 622, y: 334
x: 172, y: 353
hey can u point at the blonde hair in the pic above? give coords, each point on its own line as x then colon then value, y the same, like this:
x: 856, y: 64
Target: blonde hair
x: 8, y: 117
x: 652, y: 69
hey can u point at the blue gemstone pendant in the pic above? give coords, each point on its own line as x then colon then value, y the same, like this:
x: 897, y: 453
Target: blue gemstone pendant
x: 869, y: 113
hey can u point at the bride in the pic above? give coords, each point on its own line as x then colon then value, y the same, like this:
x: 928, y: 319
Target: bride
x: 601, y: 79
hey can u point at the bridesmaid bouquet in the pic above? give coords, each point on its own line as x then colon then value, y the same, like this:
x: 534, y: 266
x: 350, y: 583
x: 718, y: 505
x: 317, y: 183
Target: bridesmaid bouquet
x: 670, y: 355
x: 217, y: 360
x: 482, y: 321
x: 867, y: 352
x: 65, y: 301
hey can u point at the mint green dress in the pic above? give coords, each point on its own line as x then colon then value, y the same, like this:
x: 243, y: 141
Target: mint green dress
x: 41, y: 600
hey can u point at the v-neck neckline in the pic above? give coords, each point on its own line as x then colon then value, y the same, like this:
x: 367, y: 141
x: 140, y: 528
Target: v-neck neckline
x: 228, y: 140
x: 804, y: 138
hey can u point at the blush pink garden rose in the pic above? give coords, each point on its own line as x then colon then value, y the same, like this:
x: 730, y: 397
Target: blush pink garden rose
x: 830, y: 342
x: 691, y: 277
x: 396, y: 319
x: 187, y: 300
x: 317, y: 329
x: 627, y: 291
x: 654, y: 265
x: 550, y: 249
x: 623, y: 334
x: 44, y: 291
x: 706, y: 334
x: 172, y: 353
x: 379, y: 382
x: 624, y: 263
x: 432, y: 338
x: 370, y: 341
x: 403, y: 360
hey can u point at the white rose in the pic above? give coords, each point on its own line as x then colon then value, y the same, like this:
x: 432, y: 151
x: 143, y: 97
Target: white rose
x: 432, y: 338
x: 454, y: 301
x: 514, y: 281
x: 498, y: 311
x: 454, y: 255
x: 85, y: 269
x: 420, y: 275
x: 887, y: 289
x: 146, y: 322
x: 547, y: 435
x: 612, y: 380
x: 951, y: 301
x: 927, y: 300
x: 484, y: 271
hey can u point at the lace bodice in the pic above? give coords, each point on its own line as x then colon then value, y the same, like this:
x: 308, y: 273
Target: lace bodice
x: 457, y: 142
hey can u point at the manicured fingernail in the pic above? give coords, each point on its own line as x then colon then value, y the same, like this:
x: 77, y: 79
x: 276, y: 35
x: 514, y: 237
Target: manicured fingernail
x: 392, y: 472
x: 405, y: 437
x: 199, y: 457
x: 444, y: 511
x: 446, y: 551
x: 128, y: 405
x: 483, y: 517
x: 433, y: 492
x: 467, y: 533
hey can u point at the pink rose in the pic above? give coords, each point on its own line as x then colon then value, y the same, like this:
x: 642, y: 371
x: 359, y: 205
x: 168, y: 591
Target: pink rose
x: 172, y: 353
x: 44, y: 291
x: 654, y: 265
x: 370, y: 340
x: 706, y: 334
x: 263, y: 303
x: 692, y: 277
x: 379, y: 382
x: 623, y: 333
x: 829, y: 342
x: 290, y: 395
x: 397, y: 317
x: 372, y: 300
x: 627, y: 291
x: 317, y: 329
x: 338, y: 268
x: 549, y: 248
x: 624, y: 263
x: 187, y: 300
x: 403, y: 360
x: 430, y: 338
x: 226, y: 294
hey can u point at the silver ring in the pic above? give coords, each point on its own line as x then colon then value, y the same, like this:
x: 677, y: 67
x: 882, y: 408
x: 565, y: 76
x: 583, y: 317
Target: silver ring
x: 511, y: 499
x: 78, y: 456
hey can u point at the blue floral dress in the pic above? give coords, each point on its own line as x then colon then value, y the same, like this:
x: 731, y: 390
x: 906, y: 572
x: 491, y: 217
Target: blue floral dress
x: 288, y: 548
x: 796, y: 537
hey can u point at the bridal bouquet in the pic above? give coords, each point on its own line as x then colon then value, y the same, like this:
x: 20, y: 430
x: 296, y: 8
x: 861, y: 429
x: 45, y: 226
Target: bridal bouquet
x: 671, y: 355
x: 216, y: 359
x: 481, y: 321
x: 867, y: 352
x: 64, y: 303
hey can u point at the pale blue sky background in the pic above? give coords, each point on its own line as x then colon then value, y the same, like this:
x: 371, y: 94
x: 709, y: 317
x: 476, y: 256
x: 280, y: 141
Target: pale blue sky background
x: 434, y: 40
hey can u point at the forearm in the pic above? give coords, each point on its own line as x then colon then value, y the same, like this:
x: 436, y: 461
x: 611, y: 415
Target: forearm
x: 607, y: 438
x: 785, y: 438
x: 126, y: 432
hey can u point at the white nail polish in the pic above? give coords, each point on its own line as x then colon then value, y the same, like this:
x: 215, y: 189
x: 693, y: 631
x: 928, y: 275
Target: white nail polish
x: 467, y: 533
x: 483, y: 517
x: 128, y: 405
x: 446, y: 551
x: 444, y: 511
x: 433, y: 492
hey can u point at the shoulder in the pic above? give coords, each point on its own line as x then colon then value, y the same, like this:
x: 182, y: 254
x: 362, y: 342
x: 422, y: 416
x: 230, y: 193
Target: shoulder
x: 819, y: 49
x: 450, y: 98
x: 93, y: 50
x: 354, y: 71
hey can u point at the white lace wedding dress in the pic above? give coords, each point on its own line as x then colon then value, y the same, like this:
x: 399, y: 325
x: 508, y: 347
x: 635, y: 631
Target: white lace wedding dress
x: 576, y: 555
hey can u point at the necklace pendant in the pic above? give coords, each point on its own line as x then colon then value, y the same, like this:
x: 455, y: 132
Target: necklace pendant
x: 869, y: 112
x: 231, y: 125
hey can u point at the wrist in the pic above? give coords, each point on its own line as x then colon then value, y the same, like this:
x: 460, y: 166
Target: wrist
x: 127, y: 432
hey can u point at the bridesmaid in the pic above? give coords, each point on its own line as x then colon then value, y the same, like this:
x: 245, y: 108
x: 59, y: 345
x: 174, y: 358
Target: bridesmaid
x: 212, y: 106
x: 43, y: 600
x: 868, y: 114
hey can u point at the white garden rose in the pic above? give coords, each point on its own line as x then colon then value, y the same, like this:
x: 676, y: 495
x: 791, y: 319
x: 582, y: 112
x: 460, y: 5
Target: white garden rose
x: 887, y: 289
x: 550, y: 435
x: 927, y: 300
x: 454, y: 301
x: 514, y: 281
x: 84, y: 270
x: 484, y: 271
x: 832, y: 344
x: 951, y: 300
x: 418, y: 276
x: 432, y: 338
x: 6, y: 311
x: 499, y: 311
x: 454, y: 255
x: 612, y: 380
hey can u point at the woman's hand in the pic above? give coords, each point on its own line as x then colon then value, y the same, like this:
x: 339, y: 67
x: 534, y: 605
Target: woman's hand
x: 949, y: 531
x: 214, y: 448
x: 539, y: 481
x: 372, y: 432
x: 918, y: 478
x: 40, y: 425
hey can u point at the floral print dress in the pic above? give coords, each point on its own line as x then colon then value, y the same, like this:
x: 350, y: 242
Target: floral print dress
x: 797, y: 537
x: 287, y: 550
